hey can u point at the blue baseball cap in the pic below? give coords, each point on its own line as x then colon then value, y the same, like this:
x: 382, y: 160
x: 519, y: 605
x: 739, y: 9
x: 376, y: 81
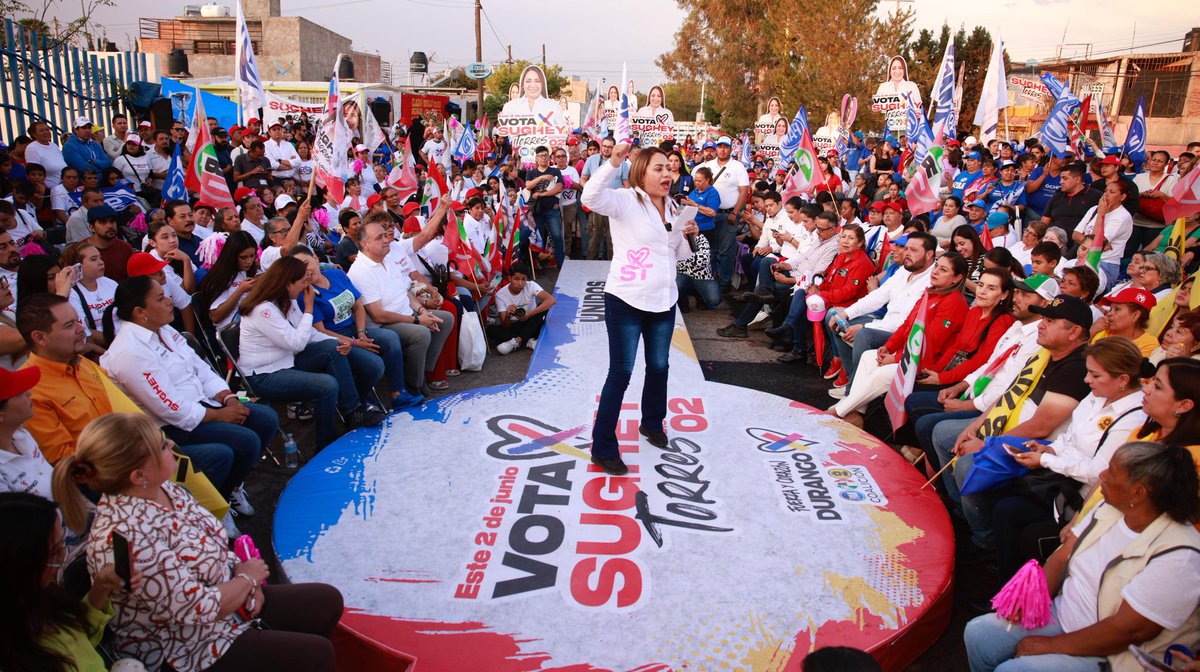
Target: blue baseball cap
x: 902, y: 240
x: 100, y: 212
x: 997, y: 220
x: 858, y: 134
x: 978, y: 203
x: 974, y: 155
x: 709, y: 145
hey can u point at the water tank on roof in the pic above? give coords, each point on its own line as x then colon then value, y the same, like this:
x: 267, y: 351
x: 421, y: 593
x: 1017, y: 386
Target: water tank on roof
x: 345, y: 69
x: 177, y: 62
x: 418, y: 63
x: 191, y: 10
x: 212, y: 11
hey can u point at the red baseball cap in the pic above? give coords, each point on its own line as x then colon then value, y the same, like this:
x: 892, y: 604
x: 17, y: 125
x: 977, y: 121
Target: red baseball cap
x: 472, y: 193
x: 235, y: 129
x: 1139, y: 297
x: 411, y: 225
x: 17, y: 382
x: 878, y: 206
x: 241, y: 193
x: 457, y: 206
x: 373, y: 199
x: 410, y: 208
x: 892, y: 205
x: 1111, y: 160
x: 252, y: 121
x: 144, y: 263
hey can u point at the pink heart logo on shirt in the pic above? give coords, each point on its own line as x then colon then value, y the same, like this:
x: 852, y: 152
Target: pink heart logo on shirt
x: 639, y: 256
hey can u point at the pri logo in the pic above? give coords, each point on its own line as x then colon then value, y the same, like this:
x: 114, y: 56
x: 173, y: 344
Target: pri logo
x: 771, y: 441
x: 523, y: 438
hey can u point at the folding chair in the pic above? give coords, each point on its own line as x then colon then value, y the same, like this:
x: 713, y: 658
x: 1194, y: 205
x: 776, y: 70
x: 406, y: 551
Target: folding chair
x: 228, y: 337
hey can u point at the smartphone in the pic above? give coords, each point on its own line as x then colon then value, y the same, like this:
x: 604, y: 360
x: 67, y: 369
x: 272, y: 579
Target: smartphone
x: 121, y: 557
x: 1147, y: 661
x: 77, y: 269
x: 1016, y: 449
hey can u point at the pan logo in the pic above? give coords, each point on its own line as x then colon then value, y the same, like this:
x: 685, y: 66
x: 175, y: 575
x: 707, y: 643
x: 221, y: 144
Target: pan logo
x: 855, y: 484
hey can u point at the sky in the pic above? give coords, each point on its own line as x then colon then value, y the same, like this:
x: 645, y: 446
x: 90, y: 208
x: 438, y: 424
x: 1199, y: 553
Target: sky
x: 580, y: 42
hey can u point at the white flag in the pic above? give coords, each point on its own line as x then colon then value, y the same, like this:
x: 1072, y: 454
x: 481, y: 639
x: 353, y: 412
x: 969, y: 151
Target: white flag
x: 246, y: 70
x: 994, y: 96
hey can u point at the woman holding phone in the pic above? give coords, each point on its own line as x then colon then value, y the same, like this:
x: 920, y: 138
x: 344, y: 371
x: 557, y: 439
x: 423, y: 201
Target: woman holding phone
x: 640, y: 292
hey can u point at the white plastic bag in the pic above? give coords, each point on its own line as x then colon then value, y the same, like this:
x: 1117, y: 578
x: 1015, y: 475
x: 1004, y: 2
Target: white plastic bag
x: 472, y: 343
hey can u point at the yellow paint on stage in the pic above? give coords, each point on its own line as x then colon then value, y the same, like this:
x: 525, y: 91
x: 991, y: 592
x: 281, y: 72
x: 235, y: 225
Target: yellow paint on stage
x: 893, y: 532
x: 771, y: 654
x: 859, y: 595
x: 681, y: 342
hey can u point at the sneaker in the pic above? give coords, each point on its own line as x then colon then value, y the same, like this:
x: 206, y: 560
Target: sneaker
x: 838, y: 392
x: 531, y: 343
x: 790, y: 356
x: 761, y: 295
x: 239, y: 503
x: 781, y: 333
x: 835, y: 369
x: 508, y: 346
x: 364, y: 417
x: 298, y: 410
x: 780, y: 347
x: 372, y: 406
x: 760, y: 320
x: 231, y: 529
x: 406, y: 399
x: 733, y: 331
x: 843, y: 379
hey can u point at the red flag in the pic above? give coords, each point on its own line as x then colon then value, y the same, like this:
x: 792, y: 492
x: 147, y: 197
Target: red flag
x: 986, y: 236
x: 404, y: 174
x: 1185, y: 198
x: 885, y: 251
x: 461, y: 249
x: 513, y: 236
x: 204, y: 170
x: 909, y: 365
x: 1086, y: 123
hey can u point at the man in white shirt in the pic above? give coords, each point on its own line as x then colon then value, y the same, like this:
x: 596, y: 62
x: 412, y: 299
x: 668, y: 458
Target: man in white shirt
x: 384, y: 280
x: 732, y: 182
x: 899, y: 294
x: 435, y: 149
x: 283, y: 156
x: 1118, y: 226
x: 160, y: 158
x: 568, y: 202
x: 114, y: 142
x: 45, y: 153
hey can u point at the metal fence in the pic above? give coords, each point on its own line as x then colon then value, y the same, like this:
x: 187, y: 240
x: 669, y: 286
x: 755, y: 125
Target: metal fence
x: 43, y: 80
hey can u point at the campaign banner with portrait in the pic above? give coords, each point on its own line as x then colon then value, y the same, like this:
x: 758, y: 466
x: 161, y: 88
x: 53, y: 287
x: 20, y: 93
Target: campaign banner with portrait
x: 425, y: 106
x: 767, y: 151
x: 531, y: 119
x: 891, y: 97
x: 654, y: 122
x: 766, y: 123
x: 826, y: 136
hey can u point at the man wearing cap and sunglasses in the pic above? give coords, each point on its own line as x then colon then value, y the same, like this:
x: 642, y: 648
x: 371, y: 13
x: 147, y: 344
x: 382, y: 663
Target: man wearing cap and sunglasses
x: 733, y: 184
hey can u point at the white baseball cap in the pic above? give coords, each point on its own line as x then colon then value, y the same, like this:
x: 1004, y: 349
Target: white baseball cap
x: 725, y: 140
x: 282, y: 201
x: 360, y: 148
x: 133, y: 137
x: 80, y: 122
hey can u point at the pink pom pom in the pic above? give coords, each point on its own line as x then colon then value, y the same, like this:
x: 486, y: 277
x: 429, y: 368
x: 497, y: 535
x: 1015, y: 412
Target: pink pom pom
x: 321, y: 215
x: 31, y: 249
x: 1025, y: 598
x: 358, y: 165
x: 138, y: 223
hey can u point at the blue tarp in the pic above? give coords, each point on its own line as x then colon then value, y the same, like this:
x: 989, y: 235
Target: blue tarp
x: 225, y: 111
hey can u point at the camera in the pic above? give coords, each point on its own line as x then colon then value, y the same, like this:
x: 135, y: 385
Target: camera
x: 519, y: 312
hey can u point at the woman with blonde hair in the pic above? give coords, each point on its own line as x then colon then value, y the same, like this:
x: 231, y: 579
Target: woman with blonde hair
x: 196, y: 602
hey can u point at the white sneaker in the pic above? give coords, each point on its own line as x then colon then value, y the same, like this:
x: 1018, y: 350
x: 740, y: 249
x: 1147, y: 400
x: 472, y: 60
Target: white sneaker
x: 508, y: 346
x: 760, y: 320
x: 231, y: 529
x: 240, y: 504
x: 838, y: 392
x: 531, y: 343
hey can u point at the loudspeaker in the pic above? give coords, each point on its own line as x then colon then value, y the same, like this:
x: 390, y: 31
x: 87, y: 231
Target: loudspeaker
x: 161, y: 114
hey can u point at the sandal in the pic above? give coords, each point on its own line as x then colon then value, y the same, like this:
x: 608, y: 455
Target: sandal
x: 453, y: 372
x: 438, y: 385
x: 913, y: 455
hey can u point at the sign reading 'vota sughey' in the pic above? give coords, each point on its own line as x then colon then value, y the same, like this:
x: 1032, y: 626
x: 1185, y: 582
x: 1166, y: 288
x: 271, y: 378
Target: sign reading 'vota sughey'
x: 474, y: 534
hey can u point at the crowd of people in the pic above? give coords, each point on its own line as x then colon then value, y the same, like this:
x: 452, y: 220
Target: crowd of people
x: 150, y: 346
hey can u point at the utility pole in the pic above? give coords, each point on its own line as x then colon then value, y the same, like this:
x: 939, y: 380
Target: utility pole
x: 510, y: 58
x: 478, y: 59
x: 544, y: 58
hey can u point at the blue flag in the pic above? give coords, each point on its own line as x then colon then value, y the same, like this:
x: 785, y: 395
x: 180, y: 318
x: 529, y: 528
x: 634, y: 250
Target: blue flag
x: 791, y: 141
x: 919, y: 133
x: 943, y: 92
x: 1055, y: 134
x: 465, y: 149
x: 1135, y: 141
x: 1056, y: 87
x: 745, y: 157
x: 173, y: 187
x: 118, y: 198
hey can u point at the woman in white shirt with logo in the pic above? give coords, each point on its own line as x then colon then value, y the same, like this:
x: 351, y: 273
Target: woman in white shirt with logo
x: 93, y: 292
x: 640, y: 292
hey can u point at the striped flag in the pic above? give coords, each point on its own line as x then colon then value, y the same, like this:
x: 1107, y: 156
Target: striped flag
x: 204, y: 174
x: 404, y: 173
x: 994, y: 96
x: 984, y: 378
x: 909, y: 365
x: 922, y: 191
x: 807, y: 174
x: 1185, y: 198
x: 919, y: 134
x: 1097, y: 248
x: 943, y: 94
x: 1176, y: 241
x: 174, y: 188
x: 250, y: 88
x: 790, y: 146
x: 332, y: 143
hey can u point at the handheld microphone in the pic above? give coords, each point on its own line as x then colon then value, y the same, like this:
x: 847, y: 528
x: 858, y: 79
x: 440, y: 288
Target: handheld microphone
x: 691, y: 240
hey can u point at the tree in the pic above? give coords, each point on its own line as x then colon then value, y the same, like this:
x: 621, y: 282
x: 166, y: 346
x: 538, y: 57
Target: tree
x: 79, y: 32
x: 803, y: 51
x: 973, y: 50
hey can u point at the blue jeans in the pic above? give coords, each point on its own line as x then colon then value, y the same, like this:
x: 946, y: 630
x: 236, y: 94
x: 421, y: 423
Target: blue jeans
x: 226, y: 452
x: 549, y: 224
x: 726, y: 245
x: 391, y: 358
x: 320, y: 375
x: 866, y: 339
x: 943, y: 436
x: 992, y: 642
x: 708, y: 290
x: 626, y: 325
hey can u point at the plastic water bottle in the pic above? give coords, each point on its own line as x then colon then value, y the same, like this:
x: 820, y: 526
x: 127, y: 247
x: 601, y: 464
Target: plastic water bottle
x: 291, y: 455
x: 842, y: 324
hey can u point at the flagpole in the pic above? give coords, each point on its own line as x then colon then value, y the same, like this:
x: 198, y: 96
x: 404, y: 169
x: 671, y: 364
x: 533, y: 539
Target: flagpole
x: 1007, y: 136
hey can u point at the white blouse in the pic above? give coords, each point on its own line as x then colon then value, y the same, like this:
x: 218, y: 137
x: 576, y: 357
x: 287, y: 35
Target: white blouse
x: 269, y: 340
x: 645, y: 254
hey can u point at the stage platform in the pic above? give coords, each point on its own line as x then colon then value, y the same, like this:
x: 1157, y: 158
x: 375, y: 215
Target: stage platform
x: 473, y: 534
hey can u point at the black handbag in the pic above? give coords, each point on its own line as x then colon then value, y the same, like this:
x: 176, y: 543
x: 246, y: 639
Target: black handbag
x: 439, y: 276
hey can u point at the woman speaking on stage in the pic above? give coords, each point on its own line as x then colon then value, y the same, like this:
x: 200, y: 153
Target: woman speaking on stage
x: 640, y: 292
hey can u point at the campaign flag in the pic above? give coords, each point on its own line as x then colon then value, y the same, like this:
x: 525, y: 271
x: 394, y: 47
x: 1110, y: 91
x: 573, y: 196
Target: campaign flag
x: 808, y: 173
x: 204, y: 174
x: 1055, y: 134
x: 1097, y: 248
x: 919, y: 134
x: 1053, y: 85
x: 989, y: 373
x: 593, y: 122
x: 1075, y: 132
x: 173, y: 187
x: 249, y: 85
x: 909, y: 365
x: 1177, y: 240
x: 461, y: 249
x: 885, y: 251
x: 1108, y: 139
x: 513, y: 235
x: 792, y: 140
x: 1135, y: 140
x: 994, y: 96
x: 942, y: 94
x: 404, y: 173
x: 745, y: 157
x: 923, y: 189
x: 120, y: 198
x: 331, y: 144
x: 622, y: 130
x: 372, y: 135
x: 435, y: 188
x: 1185, y: 198
x: 465, y: 149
